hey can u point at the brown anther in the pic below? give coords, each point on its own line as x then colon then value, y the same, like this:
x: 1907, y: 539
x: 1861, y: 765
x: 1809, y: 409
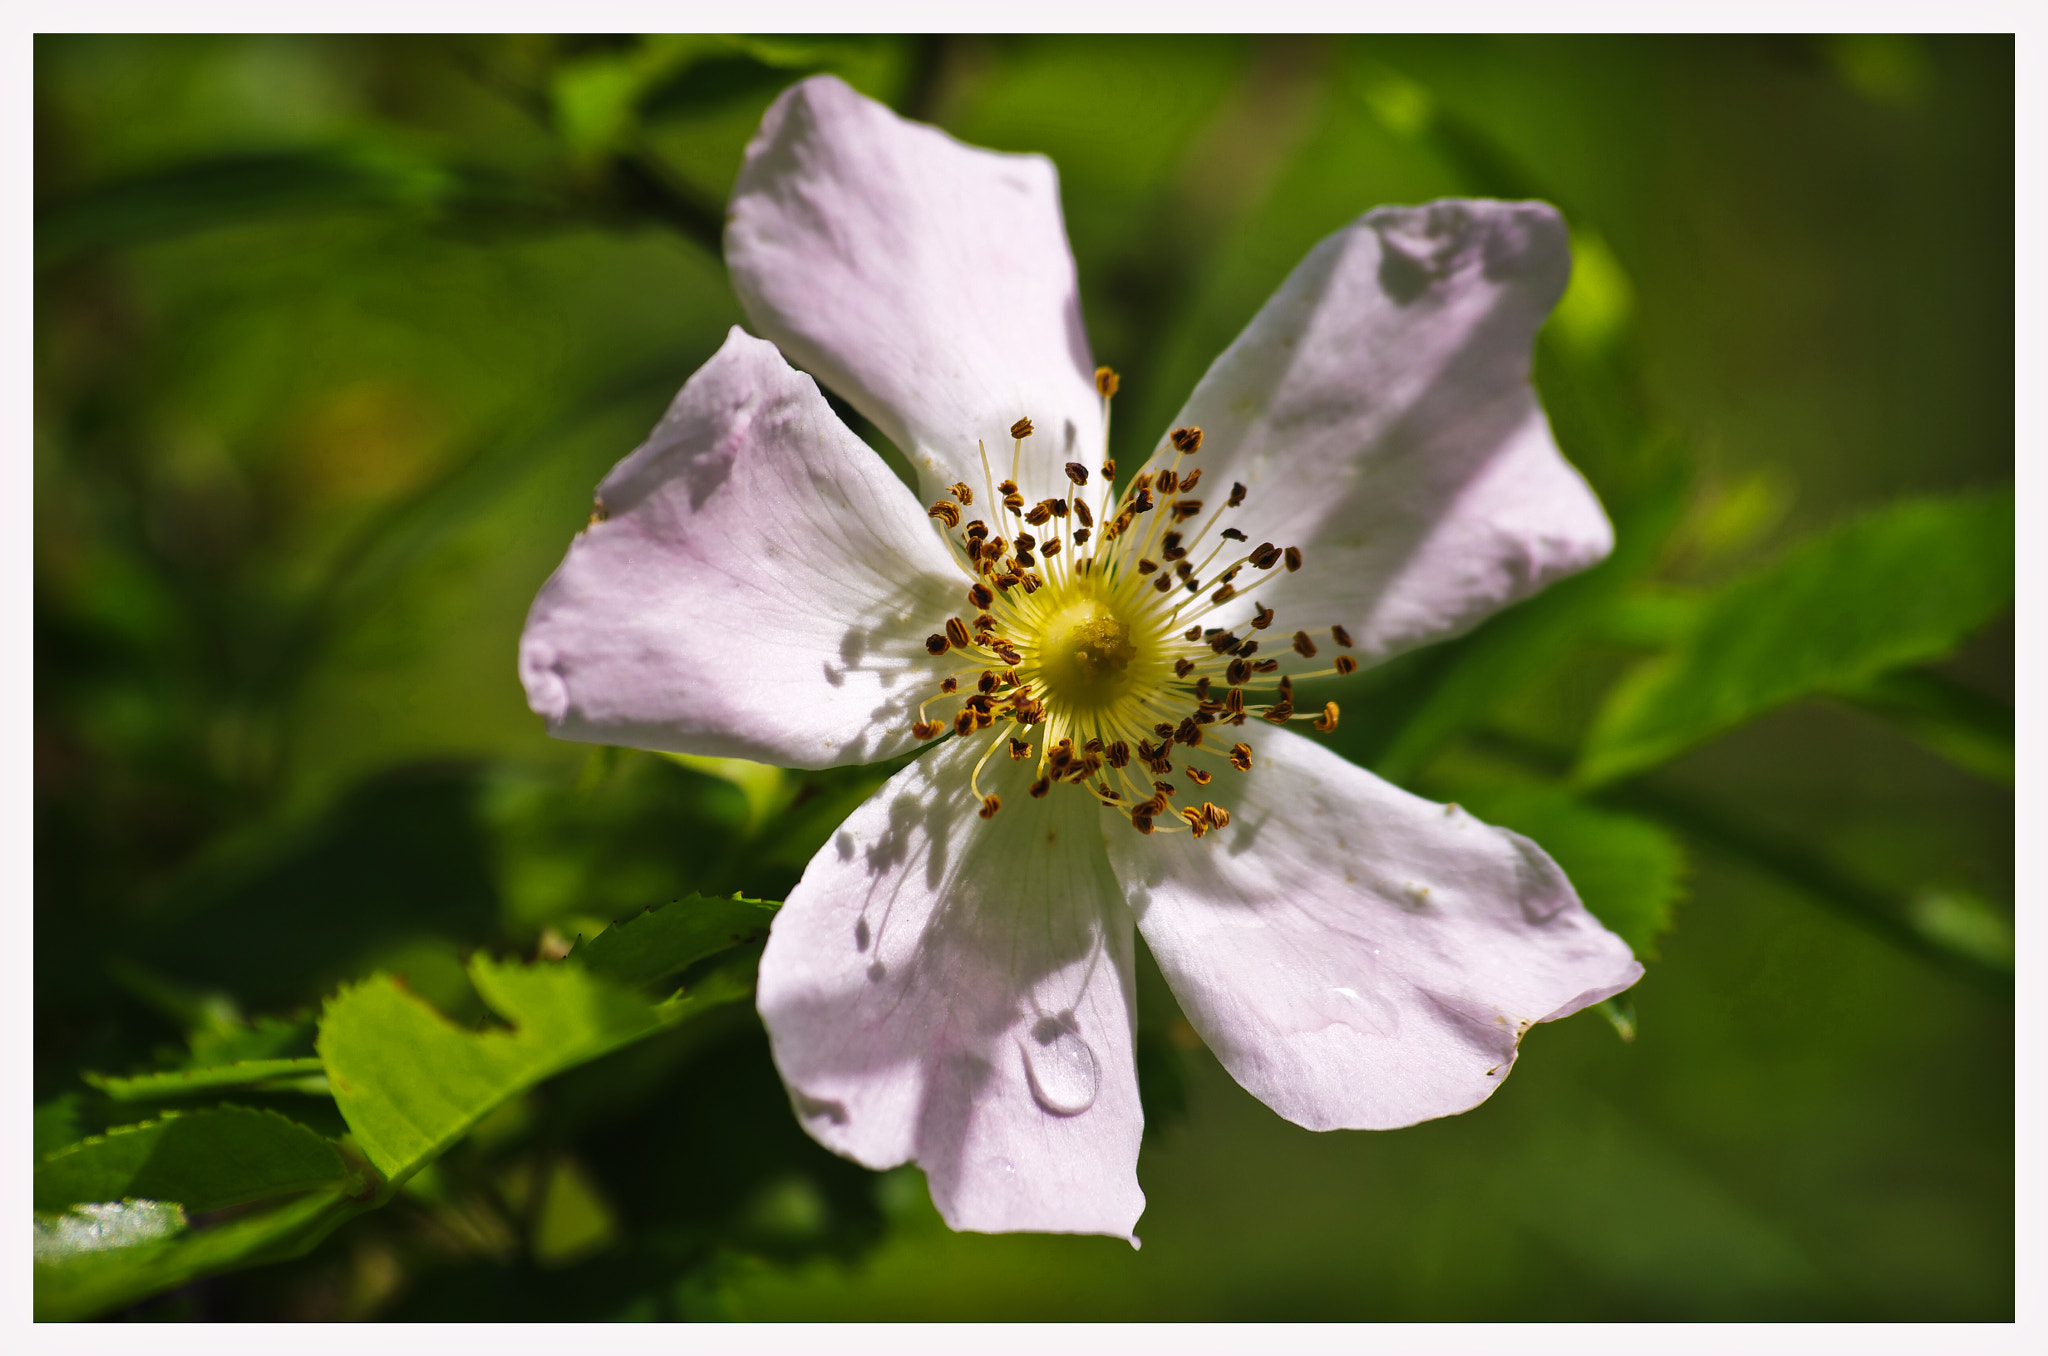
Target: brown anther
x: 1280, y: 713
x: 1187, y: 482
x: 946, y: 512
x: 1141, y: 822
x: 1146, y: 566
x: 1040, y: 787
x: 1345, y: 664
x: 1190, y: 732
x: 956, y: 631
x: 1202, y: 690
x: 1142, y: 482
x: 1165, y: 788
x: 1216, y: 815
x: 1014, y: 502
x: 1183, y: 569
x: 1024, y: 560
x: 1184, y: 509
x: 1224, y: 594
x: 1266, y: 556
x: 1094, y: 745
x: 1167, y: 481
x: 1163, y: 582
x: 1193, y: 632
x: 1155, y: 805
x: 1196, y: 775
x: 1183, y: 667
x: 925, y: 729
x: 1241, y: 757
x: 1032, y: 583
x: 963, y: 721
x: 1303, y: 646
x: 1019, y: 749
x: 1108, y: 469
x: 1080, y: 533
x: 1059, y: 507
x: 1021, y: 429
x: 949, y: 685
x: 1232, y: 534
x: 1026, y: 542
x: 1084, y: 513
x: 1163, y: 730
x: 1052, y: 548
x: 1286, y: 689
x: 1040, y: 514
x: 1118, y: 754
x: 1006, y: 581
x: 1341, y: 636
x: 978, y: 703
x: 1142, y: 503
x: 988, y: 682
x: 1328, y: 720
x: 1195, y: 823
x: 1233, y: 700
x: 1239, y: 672
x: 1236, y: 494
x: 1223, y: 642
x: 1266, y: 666
x: 1105, y: 382
x: 1263, y: 618
x: 980, y: 595
x: 1077, y: 473
x: 1187, y: 441
x: 936, y: 644
x: 984, y: 623
x: 989, y: 806
x: 1293, y: 554
x: 962, y: 493
x: 1008, y: 652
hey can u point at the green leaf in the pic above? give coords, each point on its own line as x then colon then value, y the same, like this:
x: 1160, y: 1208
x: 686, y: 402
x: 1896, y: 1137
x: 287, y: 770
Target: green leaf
x: 665, y: 940
x: 1629, y: 872
x: 203, y: 1160
x: 75, y: 1280
x: 411, y: 1083
x: 1895, y: 588
x: 104, y: 1226
x: 1963, y: 725
x: 271, y: 1075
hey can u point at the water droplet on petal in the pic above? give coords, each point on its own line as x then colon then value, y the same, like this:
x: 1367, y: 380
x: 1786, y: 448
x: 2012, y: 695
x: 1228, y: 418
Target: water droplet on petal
x: 1062, y: 1069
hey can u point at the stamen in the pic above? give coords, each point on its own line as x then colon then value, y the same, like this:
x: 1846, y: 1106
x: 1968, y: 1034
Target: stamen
x: 1241, y: 757
x: 1021, y: 429
x: 1327, y: 722
x: 1187, y: 441
x: 990, y: 804
x: 945, y: 512
x: 1341, y: 636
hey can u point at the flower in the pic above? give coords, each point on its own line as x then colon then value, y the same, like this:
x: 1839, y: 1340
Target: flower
x: 1364, y: 470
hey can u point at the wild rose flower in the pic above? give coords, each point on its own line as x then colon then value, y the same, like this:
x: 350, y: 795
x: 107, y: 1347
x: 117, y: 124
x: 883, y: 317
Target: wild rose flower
x: 1364, y: 470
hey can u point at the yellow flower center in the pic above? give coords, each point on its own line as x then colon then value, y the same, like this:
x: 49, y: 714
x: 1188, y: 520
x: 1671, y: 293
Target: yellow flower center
x: 1084, y: 645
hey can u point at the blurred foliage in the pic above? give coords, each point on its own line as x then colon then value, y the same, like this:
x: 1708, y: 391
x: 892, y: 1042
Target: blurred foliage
x: 334, y: 336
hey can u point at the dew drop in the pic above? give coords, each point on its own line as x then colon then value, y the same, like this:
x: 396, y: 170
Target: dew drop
x: 1062, y: 1069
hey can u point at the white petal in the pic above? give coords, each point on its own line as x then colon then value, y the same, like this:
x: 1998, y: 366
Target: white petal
x: 1356, y: 956
x: 761, y: 588
x: 1378, y: 409
x: 931, y: 965
x: 926, y: 281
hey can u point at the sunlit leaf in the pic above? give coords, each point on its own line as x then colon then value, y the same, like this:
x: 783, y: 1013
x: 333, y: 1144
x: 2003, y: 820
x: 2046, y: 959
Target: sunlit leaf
x: 1898, y: 587
x: 105, y: 1226
x: 411, y: 1083
x: 203, y: 1160
x: 665, y: 940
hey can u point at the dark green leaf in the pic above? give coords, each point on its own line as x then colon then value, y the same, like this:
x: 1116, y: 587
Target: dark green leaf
x: 665, y: 940
x: 411, y: 1083
x: 59, y: 1122
x: 275, y: 1075
x: 203, y: 1160
x: 1959, y: 723
x: 1629, y: 872
x: 1898, y: 587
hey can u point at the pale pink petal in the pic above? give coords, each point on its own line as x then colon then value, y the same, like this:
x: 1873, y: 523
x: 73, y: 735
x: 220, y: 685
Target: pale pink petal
x: 1379, y: 412
x: 926, y: 281
x: 1356, y: 956
x: 761, y: 587
x: 958, y: 992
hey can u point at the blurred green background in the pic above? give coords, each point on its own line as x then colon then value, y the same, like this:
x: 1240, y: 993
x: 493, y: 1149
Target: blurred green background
x: 334, y: 336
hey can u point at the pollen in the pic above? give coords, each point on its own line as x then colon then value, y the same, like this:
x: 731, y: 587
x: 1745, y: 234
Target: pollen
x: 1093, y: 664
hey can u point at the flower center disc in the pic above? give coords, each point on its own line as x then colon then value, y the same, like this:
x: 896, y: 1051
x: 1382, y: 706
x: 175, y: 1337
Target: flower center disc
x: 1085, y: 657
